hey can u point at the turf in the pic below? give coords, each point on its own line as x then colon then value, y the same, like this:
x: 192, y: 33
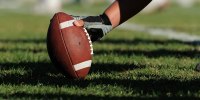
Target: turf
x: 126, y: 65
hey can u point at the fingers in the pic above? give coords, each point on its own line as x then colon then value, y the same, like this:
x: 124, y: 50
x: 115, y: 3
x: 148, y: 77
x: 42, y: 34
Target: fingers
x: 79, y: 23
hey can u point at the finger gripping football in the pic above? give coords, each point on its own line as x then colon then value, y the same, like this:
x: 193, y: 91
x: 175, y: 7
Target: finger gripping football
x: 69, y: 47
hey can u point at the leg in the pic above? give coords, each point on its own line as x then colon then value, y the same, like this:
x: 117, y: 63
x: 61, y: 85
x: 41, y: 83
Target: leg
x: 121, y: 10
x: 116, y: 14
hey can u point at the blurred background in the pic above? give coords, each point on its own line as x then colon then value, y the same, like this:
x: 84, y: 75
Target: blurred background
x: 173, y: 14
x: 49, y: 6
x: 52, y: 6
x: 172, y: 19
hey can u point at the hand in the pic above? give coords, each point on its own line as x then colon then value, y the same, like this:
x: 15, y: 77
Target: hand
x: 94, y: 25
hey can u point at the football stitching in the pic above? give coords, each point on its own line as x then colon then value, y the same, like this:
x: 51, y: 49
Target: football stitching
x: 90, y: 42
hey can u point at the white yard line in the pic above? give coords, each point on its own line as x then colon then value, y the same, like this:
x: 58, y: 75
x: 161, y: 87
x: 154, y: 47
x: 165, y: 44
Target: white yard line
x: 169, y: 33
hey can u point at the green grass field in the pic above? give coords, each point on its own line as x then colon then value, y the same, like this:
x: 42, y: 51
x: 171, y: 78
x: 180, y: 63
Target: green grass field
x: 126, y: 64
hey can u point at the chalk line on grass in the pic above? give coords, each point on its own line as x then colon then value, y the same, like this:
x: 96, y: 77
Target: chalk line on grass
x: 169, y: 33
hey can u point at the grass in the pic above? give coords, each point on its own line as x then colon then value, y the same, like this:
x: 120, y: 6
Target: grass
x: 184, y: 19
x: 126, y: 64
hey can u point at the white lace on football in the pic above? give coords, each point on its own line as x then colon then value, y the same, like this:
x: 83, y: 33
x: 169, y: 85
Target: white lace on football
x: 66, y: 24
x: 90, y: 42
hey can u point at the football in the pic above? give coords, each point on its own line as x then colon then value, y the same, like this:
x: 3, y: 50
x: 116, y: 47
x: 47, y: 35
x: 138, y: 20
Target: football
x: 69, y: 47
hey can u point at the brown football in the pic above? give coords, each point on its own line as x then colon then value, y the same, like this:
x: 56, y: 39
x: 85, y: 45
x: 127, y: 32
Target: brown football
x: 69, y: 47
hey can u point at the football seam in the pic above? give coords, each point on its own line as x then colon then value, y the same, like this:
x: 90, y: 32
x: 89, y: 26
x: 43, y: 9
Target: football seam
x: 61, y: 31
x: 90, y: 42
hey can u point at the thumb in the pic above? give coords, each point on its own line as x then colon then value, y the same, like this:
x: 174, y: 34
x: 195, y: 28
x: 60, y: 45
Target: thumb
x: 79, y: 23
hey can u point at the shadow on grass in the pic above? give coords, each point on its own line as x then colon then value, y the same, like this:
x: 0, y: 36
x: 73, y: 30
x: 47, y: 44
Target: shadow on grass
x: 154, y: 53
x: 61, y: 96
x: 113, y: 41
x: 148, y: 41
x: 33, y: 50
x: 27, y: 40
x: 38, y: 73
x: 89, y: 97
x: 160, y: 52
x: 21, y: 48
